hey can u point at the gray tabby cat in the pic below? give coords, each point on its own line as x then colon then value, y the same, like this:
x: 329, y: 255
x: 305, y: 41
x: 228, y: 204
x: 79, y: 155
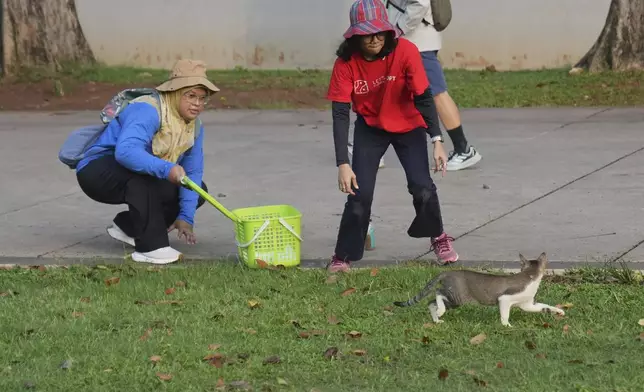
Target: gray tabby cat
x: 463, y: 286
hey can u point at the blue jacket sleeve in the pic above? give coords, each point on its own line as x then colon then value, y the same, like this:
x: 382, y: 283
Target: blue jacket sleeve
x: 192, y: 162
x: 139, y: 122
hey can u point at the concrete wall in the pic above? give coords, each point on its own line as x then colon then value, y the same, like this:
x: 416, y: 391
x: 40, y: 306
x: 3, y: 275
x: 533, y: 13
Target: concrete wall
x: 510, y: 34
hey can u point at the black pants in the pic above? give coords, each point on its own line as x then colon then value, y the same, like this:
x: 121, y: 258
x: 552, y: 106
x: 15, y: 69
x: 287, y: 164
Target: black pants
x: 153, y: 203
x: 369, y: 145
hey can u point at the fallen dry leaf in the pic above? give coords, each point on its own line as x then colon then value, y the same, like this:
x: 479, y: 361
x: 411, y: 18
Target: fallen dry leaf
x: 164, y: 376
x: 304, y: 335
x: 113, y: 280
x: 221, y: 385
x: 296, y: 324
x: 374, y: 272
x: 180, y: 284
x: 261, y: 264
x: 155, y: 358
x: 354, y: 334
x: 540, y: 356
x: 85, y: 299
x: 332, y: 279
x: 500, y: 365
x: 389, y: 308
x: 547, y: 325
x: 567, y: 305
x: 425, y: 339
x: 479, y: 382
x: 272, y: 360
x: 251, y: 331
x: 214, y: 347
x: 387, y: 313
x: 478, y: 339
x: 216, y: 360
x: 589, y: 332
x: 146, y: 334
x: 253, y: 304
x: 170, y: 290
x: 530, y: 345
x: 333, y: 320
x: 641, y: 337
x: 330, y: 352
x: 428, y: 325
x: 359, y: 353
x: 161, y: 302
x: 348, y: 291
x: 576, y: 361
x: 566, y: 328
x: 317, y: 332
x: 443, y: 374
x: 641, y: 322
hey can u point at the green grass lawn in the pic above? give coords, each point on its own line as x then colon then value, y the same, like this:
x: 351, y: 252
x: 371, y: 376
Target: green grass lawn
x: 282, y: 89
x: 221, y: 327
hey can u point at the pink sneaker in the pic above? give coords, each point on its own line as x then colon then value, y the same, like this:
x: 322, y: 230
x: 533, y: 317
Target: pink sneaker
x: 442, y: 246
x: 338, y: 265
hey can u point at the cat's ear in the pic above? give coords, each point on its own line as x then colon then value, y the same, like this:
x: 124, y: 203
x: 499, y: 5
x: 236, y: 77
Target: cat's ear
x: 543, y: 257
x: 524, y: 261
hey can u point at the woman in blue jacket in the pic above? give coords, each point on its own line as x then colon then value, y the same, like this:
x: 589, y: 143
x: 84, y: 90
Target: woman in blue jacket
x: 140, y: 158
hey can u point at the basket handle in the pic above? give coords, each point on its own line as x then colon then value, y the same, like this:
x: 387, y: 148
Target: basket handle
x: 263, y: 227
x: 289, y: 228
x: 259, y: 232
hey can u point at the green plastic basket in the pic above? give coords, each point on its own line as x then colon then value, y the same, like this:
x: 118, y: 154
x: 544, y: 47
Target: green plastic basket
x: 268, y: 233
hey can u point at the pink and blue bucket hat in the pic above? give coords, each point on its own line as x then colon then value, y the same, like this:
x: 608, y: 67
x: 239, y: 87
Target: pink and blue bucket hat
x: 368, y: 17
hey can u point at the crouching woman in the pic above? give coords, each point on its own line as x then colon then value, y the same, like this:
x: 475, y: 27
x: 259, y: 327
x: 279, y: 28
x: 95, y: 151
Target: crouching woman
x: 140, y: 159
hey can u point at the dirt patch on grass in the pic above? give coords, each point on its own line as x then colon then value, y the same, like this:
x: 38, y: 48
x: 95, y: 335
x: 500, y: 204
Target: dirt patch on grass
x: 52, y: 96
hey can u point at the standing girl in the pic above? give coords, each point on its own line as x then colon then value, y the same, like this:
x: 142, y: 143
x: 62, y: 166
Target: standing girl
x: 382, y: 76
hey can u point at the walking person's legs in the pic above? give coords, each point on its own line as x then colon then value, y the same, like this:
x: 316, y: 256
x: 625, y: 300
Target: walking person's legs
x: 463, y: 155
x: 412, y: 152
x: 370, y: 144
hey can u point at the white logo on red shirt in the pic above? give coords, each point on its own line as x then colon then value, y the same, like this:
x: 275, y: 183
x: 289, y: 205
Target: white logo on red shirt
x: 361, y: 87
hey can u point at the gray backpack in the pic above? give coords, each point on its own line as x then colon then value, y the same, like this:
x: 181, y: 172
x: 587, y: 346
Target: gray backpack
x: 77, y: 143
x: 441, y: 13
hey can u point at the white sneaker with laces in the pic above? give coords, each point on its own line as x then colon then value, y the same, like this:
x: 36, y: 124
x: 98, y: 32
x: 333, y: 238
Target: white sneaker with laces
x: 166, y: 255
x: 115, y: 232
x: 463, y: 160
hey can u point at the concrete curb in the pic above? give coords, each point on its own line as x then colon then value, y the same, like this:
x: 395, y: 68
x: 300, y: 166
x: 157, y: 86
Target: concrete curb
x: 555, y: 267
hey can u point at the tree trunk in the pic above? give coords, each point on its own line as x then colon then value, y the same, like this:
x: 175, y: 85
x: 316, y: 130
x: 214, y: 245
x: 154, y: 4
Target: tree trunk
x: 620, y: 45
x: 43, y: 33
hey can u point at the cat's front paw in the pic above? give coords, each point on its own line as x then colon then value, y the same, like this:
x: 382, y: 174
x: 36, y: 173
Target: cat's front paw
x: 439, y: 321
x: 506, y: 324
x: 559, y: 311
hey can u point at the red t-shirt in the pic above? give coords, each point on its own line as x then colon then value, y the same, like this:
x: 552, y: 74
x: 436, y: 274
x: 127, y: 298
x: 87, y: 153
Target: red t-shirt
x: 383, y: 90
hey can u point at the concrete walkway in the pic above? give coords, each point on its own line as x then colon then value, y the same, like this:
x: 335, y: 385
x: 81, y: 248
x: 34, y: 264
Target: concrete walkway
x: 566, y: 181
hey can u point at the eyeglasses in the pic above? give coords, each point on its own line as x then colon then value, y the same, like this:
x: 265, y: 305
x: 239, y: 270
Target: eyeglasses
x: 196, y: 99
x: 379, y: 36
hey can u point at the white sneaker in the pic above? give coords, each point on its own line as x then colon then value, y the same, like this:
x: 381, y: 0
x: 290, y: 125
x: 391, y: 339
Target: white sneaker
x: 350, y: 148
x: 115, y: 232
x: 463, y: 160
x: 165, y: 255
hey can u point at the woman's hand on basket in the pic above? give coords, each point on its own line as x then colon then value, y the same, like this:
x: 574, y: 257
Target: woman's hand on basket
x: 347, y: 179
x: 184, y: 231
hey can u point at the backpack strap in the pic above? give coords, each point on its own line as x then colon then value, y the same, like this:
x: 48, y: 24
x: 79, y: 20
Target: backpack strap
x: 197, y: 127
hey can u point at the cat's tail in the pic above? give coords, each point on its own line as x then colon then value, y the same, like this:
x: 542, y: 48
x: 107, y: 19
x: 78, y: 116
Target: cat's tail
x: 423, y: 293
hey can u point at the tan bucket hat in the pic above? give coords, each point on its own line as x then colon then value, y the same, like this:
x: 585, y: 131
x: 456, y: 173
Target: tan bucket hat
x: 186, y: 73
